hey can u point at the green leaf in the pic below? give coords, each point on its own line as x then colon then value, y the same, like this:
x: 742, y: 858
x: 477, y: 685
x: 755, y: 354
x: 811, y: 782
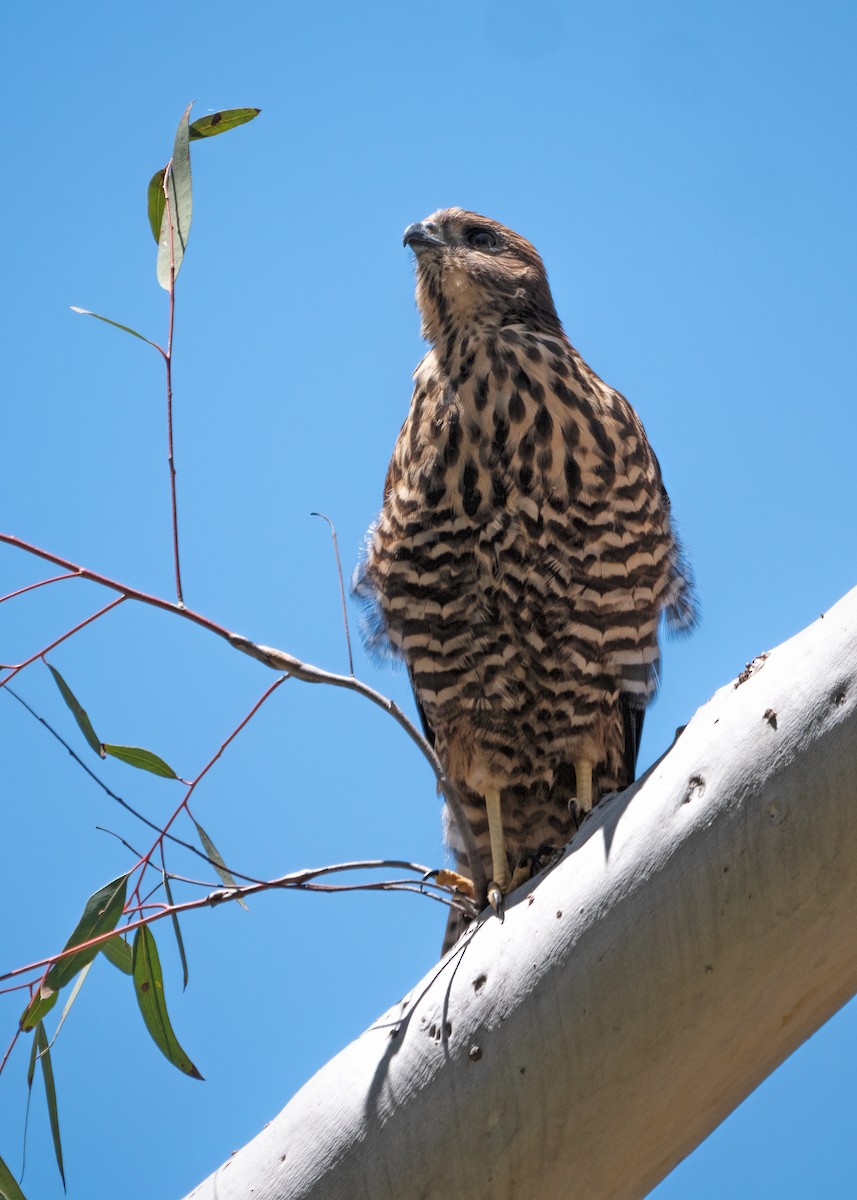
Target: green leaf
x: 78, y: 711
x: 100, y: 914
x: 174, y: 917
x: 31, y: 1066
x: 50, y: 1093
x: 9, y: 1189
x: 118, y: 952
x: 84, y: 312
x: 217, y: 861
x: 221, y: 122
x: 145, y: 760
x: 175, y: 224
x: 40, y: 1005
x: 149, y: 986
x: 155, y: 202
x: 31, y: 1075
x: 72, y: 996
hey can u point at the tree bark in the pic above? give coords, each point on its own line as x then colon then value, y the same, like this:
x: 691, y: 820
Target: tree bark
x: 699, y: 927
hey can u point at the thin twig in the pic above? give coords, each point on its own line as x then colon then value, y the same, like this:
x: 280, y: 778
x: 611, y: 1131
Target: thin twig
x: 15, y: 987
x: 341, y: 587
x: 32, y: 586
x: 388, y: 885
x: 14, y: 668
x: 296, y: 879
x: 156, y: 888
x: 119, y: 838
x: 9, y: 1049
x: 208, y: 884
x: 362, y: 864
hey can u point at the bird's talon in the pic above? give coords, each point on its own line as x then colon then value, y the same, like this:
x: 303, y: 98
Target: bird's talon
x: 495, y: 899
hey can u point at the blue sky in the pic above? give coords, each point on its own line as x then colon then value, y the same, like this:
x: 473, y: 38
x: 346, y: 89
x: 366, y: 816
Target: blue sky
x: 687, y: 172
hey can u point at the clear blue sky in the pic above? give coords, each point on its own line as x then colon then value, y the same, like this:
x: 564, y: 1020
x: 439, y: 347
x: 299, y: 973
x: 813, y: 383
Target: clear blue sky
x: 687, y: 172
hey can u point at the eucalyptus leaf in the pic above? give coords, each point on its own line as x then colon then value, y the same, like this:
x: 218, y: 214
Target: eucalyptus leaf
x: 149, y: 986
x: 145, y: 760
x: 40, y: 1005
x: 217, y: 862
x: 78, y: 711
x: 31, y: 1075
x: 84, y: 312
x: 175, y: 223
x: 100, y: 914
x: 31, y: 1066
x: 72, y: 996
x: 155, y: 202
x: 117, y: 951
x: 9, y: 1189
x: 177, y: 930
x: 50, y: 1094
x: 221, y: 122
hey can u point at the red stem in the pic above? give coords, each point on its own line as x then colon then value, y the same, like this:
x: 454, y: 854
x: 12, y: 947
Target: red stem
x: 170, y: 454
x: 145, y: 860
x: 168, y: 360
x: 32, y: 586
x: 9, y: 1050
x: 13, y: 671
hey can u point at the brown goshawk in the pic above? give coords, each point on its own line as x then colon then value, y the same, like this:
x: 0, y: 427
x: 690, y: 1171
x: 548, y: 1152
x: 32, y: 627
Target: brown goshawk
x: 524, y: 556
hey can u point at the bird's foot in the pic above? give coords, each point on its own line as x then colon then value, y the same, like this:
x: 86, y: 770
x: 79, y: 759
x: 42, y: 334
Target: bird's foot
x: 580, y: 805
x: 451, y: 879
x: 499, y: 885
x: 530, y: 864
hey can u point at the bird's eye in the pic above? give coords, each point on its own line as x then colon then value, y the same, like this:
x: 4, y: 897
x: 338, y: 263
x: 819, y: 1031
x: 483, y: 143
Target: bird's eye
x: 481, y: 239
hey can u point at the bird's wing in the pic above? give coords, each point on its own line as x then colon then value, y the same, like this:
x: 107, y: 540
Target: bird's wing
x: 632, y: 717
x: 427, y: 729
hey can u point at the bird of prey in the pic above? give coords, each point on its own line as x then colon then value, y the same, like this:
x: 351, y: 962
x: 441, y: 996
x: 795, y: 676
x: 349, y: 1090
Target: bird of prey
x: 524, y: 555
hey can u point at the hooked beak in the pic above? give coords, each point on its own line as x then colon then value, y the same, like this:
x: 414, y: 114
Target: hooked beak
x: 420, y: 236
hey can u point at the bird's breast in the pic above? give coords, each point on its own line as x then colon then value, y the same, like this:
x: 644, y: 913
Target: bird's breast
x: 506, y: 426
x: 522, y: 536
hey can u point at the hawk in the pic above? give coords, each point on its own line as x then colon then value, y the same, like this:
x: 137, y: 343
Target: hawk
x: 524, y: 555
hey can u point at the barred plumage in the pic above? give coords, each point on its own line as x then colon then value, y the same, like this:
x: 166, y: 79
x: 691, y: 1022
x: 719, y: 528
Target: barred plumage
x: 524, y: 555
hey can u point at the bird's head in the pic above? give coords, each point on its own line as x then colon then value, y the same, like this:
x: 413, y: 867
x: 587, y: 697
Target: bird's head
x: 473, y: 272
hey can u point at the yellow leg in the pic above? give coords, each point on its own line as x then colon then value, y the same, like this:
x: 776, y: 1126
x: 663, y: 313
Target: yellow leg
x: 499, y: 867
x: 583, y: 773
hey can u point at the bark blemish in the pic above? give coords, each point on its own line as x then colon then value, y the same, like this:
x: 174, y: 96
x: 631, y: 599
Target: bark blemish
x: 695, y: 789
